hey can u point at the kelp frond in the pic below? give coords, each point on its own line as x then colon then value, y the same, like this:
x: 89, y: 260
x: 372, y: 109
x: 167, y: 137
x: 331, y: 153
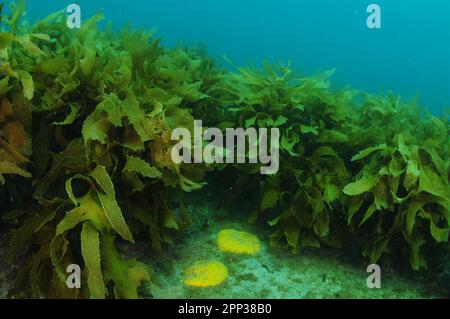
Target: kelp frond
x: 86, y: 117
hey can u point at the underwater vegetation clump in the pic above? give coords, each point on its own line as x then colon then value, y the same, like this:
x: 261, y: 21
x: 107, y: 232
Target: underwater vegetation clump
x: 86, y: 120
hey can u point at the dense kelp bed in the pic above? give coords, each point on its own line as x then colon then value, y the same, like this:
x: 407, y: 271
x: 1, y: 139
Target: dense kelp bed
x: 85, y: 152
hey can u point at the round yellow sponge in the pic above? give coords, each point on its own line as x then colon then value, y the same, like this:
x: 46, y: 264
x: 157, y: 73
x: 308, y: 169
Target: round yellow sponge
x: 205, y: 274
x: 238, y: 242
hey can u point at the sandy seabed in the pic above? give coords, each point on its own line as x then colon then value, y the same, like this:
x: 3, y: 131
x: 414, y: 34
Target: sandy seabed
x: 272, y: 273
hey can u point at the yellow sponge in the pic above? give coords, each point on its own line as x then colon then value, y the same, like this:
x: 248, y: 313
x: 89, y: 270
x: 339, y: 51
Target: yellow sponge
x: 205, y: 274
x: 238, y: 242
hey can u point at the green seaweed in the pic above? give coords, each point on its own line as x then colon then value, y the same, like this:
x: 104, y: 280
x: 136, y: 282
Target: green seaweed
x: 409, y: 183
x: 87, y: 115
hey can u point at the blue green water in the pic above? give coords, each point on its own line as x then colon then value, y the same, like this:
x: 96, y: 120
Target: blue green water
x: 410, y: 55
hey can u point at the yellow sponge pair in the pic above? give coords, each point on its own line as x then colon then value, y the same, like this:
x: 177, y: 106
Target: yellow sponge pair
x: 212, y: 273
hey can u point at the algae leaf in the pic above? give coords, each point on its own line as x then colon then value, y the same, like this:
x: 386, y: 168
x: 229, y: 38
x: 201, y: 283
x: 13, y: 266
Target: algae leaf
x: 365, y: 184
x: 127, y: 275
x: 72, y: 116
x: 11, y: 168
x: 29, y: 46
x: 27, y: 84
x: 439, y: 234
x: 432, y: 183
x: 17, y: 13
x: 90, y: 249
x: 88, y: 209
x: 270, y: 198
x: 415, y: 206
x: 292, y: 232
x: 368, y: 151
x: 309, y: 129
x: 107, y: 197
x: 138, y: 165
x: 6, y: 39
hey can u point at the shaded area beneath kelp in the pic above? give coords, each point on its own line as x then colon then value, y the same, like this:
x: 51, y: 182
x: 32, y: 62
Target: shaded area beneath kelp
x: 11, y: 196
x: 273, y: 273
x: 6, y: 274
